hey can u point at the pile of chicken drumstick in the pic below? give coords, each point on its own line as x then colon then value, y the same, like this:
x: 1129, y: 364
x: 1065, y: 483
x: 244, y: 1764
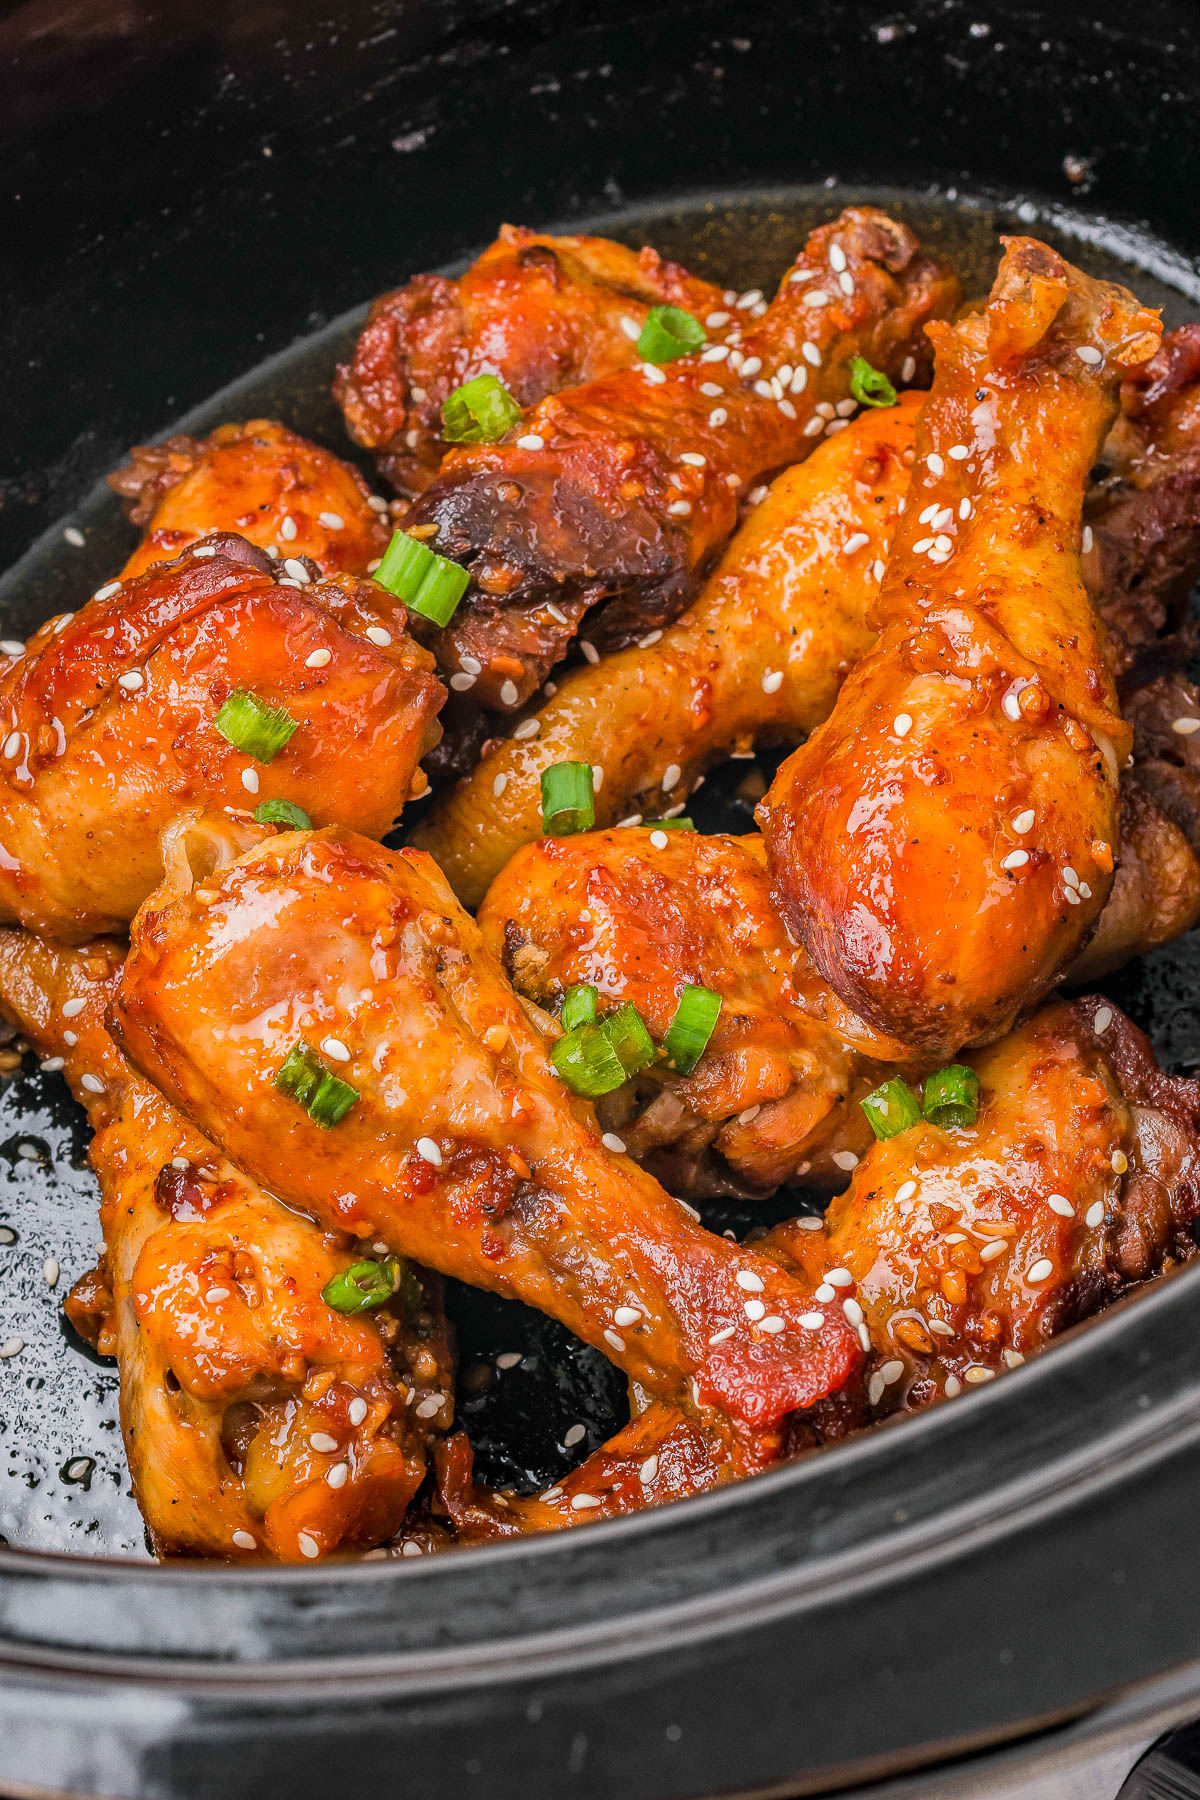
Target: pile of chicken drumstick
x: 938, y: 553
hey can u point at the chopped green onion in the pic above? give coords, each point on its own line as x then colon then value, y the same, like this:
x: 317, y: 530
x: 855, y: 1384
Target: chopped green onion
x: 680, y: 824
x: 892, y: 1108
x: 626, y: 1031
x: 479, y: 412
x: 689, y: 1031
x: 869, y: 386
x: 669, y: 332
x: 568, y: 799
x: 363, y: 1286
x: 325, y: 1097
x: 283, y: 812
x: 578, y: 1007
x: 431, y: 584
x: 587, y: 1062
x: 951, y: 1097
x: 254, y: 726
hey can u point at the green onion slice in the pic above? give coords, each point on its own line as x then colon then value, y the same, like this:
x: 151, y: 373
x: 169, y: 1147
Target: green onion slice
x: 568, y: 799
x: 892, y: 1108
x: 669, y: 332
x: 479, y: 412
x: 579, y: 1006
x: 869, y: 386
x: 325, y: 1097
x: 431, y: 584
x: 626, y: 1031
x: 253, y: 725
x: 951, y: 1097
x: 283, y: 812
x: 363, y: 1286
x: 587, y: 1063
x: 689, y: 1031
x: 680, y: 824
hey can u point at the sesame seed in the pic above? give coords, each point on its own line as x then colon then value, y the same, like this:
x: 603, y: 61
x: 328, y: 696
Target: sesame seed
x: 680, y: 508
x: 12, y: 1346
x: 61, y: 623
x: 377, y: 503
x: 332, y: 521
x: 131, y: 681
x: 462, y: 683
x: 892, y: 1371
x: 929, y: 515
x: 719, y: 1337
x: 908, y: 368
x: 627, y: 1315
x: 940, y: 1328
x: 1185, y: 727
x: 787, y: 409
x: 318, y: 659
x: 307, y: 1544
x: 922, y: 545
x: 841, y: 1278
x: 574, y: 1434
x: 428, y: 1151
x: 825, y: 1292
x: 991, y: 1251
x: 72, y: 1008
x: 296, y: 570
x: 499, y: 784
x: 1120, y: 1162
x: 250, y: 780
x: 1102, y: 1020
x: 750, y: 366
x: 711, y: 390
x: 810, y: 1224
x: 845, y: 1159
x: 837, y: 258
x: 334, y: 1047
x: 1095, y: 1214
x: 814, y: 428
x: 757, y: 495
x: 378, y: 635
x: 590, y: 652
x: 875, y: 1389
x: 51, y: 1064
x: 612, y: 1142
x: 902, y: 724
x: 1087, y: 540
x: 91, y: 1084
x: 631, y: 328
x: 812, y: 1321
x: 878, y: 569
x: 748, y: 1281
x: 430, y: 1406
x: 528, y: 728
x: 716, y: 319
x: 1060, y: 1204
x: 964, y: 508
x: 959, y: 452
x: 853, y: 1311
x: 801, y: 274
x: 953, y: 1387
x: 844, y: 408
x: 1016, y: 859
x: 1069, y: 876
x: 287, y: 528
x: 1040, y: 1270
x: 50, y: 1271
x: 977, y: 1373
x: 715, y: 353
x: 772, y: 681
x: 906, y: 1190
x: 12, y: 647
x: 653, y: 374
x: 1012, y: 1358
x: 648, y: 1471
x: 532, y: 440
x: 323, y: 1442
x: 934, y: 464
x: 1011, y: 706
x: 1087, y: 353
x: 718, y: 416
x: 773, y: 1323
x: 597, y: 778
x: 1023, y: 821
x: 12, y: 744
x: 244, y: 1541
x: 765, y: 389
x: 659, y: 839
x: 753, y: 1309
x: 584, y: 1502
x: 509, y: 1359
x: 614, y: 1340
x: 357, y: 1411
x: 508, y: 693
x: 816, y: 297
x: 1070, y: 896
x: 858, y: 541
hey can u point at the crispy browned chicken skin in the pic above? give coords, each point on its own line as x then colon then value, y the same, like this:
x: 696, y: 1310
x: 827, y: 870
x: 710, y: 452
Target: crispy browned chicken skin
x: 258, y: 1422
x: 108, y: 723
x: 542, y: 313
x: 463, y: 1149
x: 621, y: 490
x: 945, y: 842
x: 279, y: 491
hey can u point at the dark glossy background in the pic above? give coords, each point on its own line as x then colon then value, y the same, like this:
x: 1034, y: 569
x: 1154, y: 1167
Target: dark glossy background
x: 186, y: 192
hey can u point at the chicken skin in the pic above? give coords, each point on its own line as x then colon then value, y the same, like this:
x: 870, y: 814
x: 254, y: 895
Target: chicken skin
x: 772, y: 1100
x: 966, y: 1250
x: 461, y: 1146
x: 277, y: 490
x: 258, y: 1421
x: 621, y: 490
x: 542, y: 313
x: 944, y: 843
x: 758, y: 659
x: 112, y: 723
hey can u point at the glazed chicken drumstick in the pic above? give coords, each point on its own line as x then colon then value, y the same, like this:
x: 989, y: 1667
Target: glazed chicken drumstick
x: 944, y: 843
x: 211, y: 680
x: 279, y: 491
x: 259, y: 1421
x: 541, y: 313
x: 622, y: 489
x: 323, y: 960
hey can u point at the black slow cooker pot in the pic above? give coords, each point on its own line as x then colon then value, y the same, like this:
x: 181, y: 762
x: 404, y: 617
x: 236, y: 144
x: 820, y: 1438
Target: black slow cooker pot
x: 192, y: 189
